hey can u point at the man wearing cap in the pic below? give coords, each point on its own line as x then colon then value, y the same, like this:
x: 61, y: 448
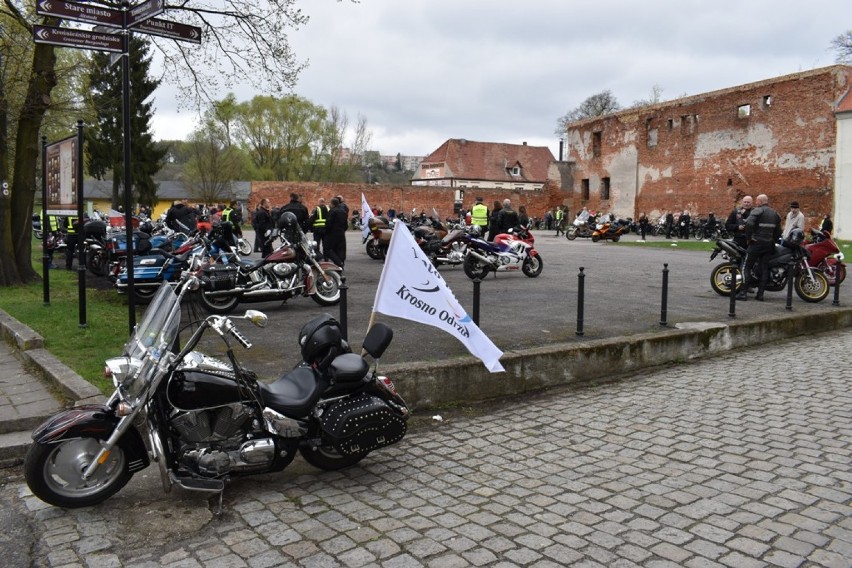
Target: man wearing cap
x: 479, y: 215
x: 795, y: 220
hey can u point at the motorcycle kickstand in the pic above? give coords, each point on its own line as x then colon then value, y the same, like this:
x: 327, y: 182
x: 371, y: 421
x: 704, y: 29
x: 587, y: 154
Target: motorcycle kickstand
x: 220, y: 509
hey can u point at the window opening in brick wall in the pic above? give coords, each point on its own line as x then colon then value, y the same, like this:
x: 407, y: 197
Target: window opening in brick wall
x: 605, y: 188
x: 584, y: 184
x: 767, y: 101
x: 743, y: 111
x: 596, y: 144
x: 652, y: 138
x: 671, y: 123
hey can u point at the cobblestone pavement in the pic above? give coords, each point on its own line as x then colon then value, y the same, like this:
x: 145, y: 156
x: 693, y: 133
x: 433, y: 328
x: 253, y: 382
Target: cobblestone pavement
x: 741, y: 460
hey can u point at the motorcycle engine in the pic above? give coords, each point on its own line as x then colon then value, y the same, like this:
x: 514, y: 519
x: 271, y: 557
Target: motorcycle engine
x: 218, y: 441
x: 776, y: 276
x: 283, y: 269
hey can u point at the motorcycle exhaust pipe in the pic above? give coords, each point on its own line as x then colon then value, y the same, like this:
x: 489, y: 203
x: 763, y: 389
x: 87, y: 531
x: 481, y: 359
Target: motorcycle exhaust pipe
x: 480, y: 258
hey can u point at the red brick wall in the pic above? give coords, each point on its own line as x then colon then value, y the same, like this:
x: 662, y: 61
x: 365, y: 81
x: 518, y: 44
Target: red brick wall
x: 706, y: 157
x: 401, y: 198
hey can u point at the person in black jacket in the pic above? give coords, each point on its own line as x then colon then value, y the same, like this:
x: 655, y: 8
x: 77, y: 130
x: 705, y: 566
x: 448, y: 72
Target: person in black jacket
x: 299, y: 210
x: 735, y: 223
x: 493, y: 223
x: 507, y: 218
x: 762, y: 230
x: 263, y: 223
x: 334, y: 244
x: 181, y: 217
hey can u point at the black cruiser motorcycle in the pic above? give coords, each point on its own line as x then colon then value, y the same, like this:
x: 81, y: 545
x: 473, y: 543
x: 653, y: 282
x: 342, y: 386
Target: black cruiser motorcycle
x: 204, y: 421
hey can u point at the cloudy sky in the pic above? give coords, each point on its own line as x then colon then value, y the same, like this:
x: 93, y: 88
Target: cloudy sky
x: 498, y: 71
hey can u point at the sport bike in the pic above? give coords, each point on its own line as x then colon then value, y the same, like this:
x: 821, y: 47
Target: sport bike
x: 509, y: 251
x: 291, y: 270
x: 204, y: 421
x: 825, y: 256
x: 789, y: 260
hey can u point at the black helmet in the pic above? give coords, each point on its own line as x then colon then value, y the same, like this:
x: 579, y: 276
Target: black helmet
x: 796, y: 237
x: 320, y: 341
x: 289, y: 226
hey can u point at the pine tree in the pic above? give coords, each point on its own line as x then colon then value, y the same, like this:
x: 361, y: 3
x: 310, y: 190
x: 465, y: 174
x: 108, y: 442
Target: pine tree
x: 104, y: 140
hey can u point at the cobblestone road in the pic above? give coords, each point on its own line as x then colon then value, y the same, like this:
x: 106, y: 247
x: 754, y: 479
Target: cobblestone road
x: 741, y: 461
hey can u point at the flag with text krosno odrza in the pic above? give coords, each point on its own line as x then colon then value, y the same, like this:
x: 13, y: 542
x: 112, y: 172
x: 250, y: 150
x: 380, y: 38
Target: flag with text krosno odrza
x: 412, y: 288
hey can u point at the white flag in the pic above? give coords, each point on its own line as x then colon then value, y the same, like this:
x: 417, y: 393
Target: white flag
x: 366, y: 215
x: 412, y: 288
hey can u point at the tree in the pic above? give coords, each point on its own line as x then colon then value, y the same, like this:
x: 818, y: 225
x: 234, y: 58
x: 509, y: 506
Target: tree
x: 105, y: 138
x: 596, y: 105
x: 656, y: 97
x: 842, y: 44
x: 242, y: 40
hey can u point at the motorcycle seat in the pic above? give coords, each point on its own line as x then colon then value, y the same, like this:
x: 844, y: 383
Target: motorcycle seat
x: 251, y: 265
x: 294, y: 394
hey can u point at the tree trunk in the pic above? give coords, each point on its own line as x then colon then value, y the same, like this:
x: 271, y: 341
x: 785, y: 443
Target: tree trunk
x: 18, y: 244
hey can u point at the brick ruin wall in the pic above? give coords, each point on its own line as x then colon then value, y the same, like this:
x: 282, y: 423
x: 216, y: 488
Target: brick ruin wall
x: 702, y: 155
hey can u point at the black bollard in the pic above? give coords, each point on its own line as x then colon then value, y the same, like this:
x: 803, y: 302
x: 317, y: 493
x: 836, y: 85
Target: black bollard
x: 732, y: 297
x: 791, y: 275
x: 580, y: 299
x: 836, y: 300
x: 665, y: 300
x: 476, y: 284
x: 344, y: 319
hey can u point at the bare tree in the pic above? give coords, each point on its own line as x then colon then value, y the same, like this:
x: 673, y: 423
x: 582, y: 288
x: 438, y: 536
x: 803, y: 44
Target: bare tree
x: 596, y: 105
x: 656, y: 97
x: 842, y: 44
x: 243, y: 40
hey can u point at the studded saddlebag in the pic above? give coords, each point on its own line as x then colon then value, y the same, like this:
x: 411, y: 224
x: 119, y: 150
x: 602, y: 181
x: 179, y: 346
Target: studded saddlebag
x: 362, y: 424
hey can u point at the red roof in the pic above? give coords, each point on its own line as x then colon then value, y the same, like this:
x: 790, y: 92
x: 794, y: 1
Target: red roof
x: 491, y: 161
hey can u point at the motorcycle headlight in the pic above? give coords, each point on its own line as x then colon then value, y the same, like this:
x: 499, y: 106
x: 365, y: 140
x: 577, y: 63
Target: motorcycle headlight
x: 126, y: 376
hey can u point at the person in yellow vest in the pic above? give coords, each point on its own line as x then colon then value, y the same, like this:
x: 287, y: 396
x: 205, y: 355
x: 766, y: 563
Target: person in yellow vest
x: 317, y: 222
x: 49, y: 229
x: 559, y: 218
x: 72, y: 232
x: 479, y: 216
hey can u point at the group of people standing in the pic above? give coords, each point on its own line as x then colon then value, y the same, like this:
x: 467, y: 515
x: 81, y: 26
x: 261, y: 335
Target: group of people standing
x: 328, y: 224
x: 500, y: 219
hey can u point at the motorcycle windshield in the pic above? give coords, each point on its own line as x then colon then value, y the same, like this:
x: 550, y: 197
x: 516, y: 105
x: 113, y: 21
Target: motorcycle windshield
x: 159, y: 325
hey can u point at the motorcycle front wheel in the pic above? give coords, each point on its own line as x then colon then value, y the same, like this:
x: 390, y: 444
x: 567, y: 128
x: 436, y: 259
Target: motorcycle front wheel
x: 812, y: 290
x: 328, y: 291
x: 722, y: 276
x: 595, y: 238
x: 532, y: 266
x: 244, y: 247
x: 571, y: 233
x: 475, y: 268
x: 221, y: 305
x: 54, y: 472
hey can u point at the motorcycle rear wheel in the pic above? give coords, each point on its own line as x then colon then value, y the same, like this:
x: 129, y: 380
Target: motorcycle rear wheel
x: 96, y: 262
x: 812, y: 291
x: 145, y: 294
x: 722, y: 276
x: 374, y: 251
x: 328, y: 291
x: 571, y: 233
x: 475, y: 268
x: 327, y: 458
x: 532, y: 266
x: 54, y: 472
x: 221, y: 305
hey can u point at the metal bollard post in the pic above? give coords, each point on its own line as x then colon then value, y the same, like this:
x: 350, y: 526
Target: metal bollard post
x: 580, y: 299
x: 732, y: 297
x: 476, y: 283
x: 836, y: 300
x: 791, y: 274
x: 665, y: 300
x: 344, y: 318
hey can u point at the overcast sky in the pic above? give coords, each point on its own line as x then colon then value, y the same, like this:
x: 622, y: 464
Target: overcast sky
x: 498, y: 71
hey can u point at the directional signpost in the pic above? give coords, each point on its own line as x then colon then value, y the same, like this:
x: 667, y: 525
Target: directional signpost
x: 112, y: 33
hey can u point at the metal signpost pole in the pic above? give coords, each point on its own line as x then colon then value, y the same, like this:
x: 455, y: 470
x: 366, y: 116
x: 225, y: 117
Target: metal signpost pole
x: 128, y: 177
x: 81, y: 249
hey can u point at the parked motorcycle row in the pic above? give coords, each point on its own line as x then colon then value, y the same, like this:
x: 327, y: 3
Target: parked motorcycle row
x: 463, y: 244
x: 808, y: 264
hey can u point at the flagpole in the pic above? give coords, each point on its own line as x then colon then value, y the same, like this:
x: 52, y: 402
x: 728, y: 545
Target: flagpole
x: 369, y: 326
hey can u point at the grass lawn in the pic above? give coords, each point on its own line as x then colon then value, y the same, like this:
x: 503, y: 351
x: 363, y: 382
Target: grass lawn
x: 82, y: 349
